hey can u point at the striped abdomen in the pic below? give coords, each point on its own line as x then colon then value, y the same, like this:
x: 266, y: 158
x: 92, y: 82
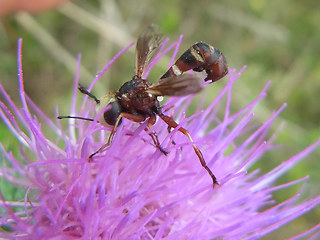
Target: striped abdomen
x: 200, y: 57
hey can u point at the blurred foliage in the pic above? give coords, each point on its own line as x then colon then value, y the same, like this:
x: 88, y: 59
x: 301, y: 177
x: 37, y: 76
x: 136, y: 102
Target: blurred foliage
x: 277, y: 40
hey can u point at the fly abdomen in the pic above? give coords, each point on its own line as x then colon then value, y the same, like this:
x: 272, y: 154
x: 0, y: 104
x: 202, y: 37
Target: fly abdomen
x: 200, y: 57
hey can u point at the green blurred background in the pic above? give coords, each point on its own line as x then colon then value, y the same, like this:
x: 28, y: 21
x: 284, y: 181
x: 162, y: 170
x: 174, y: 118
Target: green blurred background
x: 277, y: 40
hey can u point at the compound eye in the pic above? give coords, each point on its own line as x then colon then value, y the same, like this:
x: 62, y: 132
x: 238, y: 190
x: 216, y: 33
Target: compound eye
x: 112, y: 114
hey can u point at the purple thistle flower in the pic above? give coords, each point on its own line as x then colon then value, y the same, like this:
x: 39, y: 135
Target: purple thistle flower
x: 133, y: 191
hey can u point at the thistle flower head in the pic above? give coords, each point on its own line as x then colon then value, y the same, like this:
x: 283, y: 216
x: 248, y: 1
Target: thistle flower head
x: 132, y: 190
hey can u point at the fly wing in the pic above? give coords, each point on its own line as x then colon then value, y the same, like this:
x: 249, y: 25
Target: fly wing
x: 148, y: 45
x: 181, y: 85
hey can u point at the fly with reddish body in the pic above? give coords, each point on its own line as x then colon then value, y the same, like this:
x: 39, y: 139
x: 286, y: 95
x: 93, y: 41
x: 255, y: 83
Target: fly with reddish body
x: 137, y: 99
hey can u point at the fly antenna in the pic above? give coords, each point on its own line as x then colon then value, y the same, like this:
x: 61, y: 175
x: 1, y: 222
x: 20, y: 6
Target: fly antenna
x: 83, y: 90
x: 75, y: 117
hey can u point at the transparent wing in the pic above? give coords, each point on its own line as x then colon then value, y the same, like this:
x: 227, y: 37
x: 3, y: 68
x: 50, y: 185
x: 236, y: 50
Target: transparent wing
x: 177, y: 86
x: 148, y: 45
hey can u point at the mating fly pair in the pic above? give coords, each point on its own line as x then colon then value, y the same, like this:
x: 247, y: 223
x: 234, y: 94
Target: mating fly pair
x: 137, y: 99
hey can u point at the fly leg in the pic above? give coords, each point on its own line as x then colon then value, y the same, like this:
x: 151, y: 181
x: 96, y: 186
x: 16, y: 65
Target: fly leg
x: 135, y: 118
x: 169, y: 128
x: 173, y: 124
x: 153, y: 134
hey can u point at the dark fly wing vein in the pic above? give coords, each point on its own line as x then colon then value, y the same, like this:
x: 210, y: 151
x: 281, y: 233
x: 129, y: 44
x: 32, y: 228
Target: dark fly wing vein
x: 148, y: 45
x: 178, y: 86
